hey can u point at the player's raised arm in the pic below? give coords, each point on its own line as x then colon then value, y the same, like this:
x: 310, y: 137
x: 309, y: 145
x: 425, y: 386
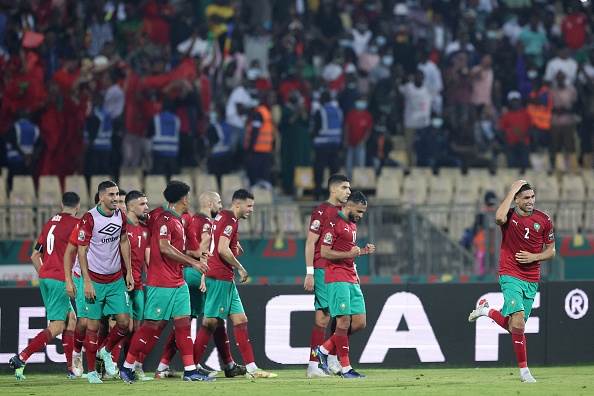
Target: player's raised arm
x: 229, y: 257
x: 503, y: 209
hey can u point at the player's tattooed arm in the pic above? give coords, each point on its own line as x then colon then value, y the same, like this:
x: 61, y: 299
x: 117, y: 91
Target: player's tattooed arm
x: 126, y: 252
x: 227, y: 255
x: 503, y: 209
x: 336, y: 255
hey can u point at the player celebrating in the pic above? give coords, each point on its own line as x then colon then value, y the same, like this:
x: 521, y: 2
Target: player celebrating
x: 167, y: 295
x: 199, y: 233
x: 102, y: 243
x: 345, y: 299
x: 47, y: 258
x: 527, y: 239
x: 340, y: 189
x: 138, y: 234
x: 222, y: 298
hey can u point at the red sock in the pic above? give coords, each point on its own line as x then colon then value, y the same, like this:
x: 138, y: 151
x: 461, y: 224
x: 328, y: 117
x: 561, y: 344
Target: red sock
x: 169, y: 349
x: 329, y: 345
x: 183, y: 340
x: 116, y: 334
x: 68, y: 344
x: 140, y: 358
x: 519, y: 342
x: 102, y: 335
x: 117, y: 350
x: 222, y: 343
x: 318, y: 334
x: 501, y: 320
x: 91, y: 346
x: 143, y: 341
x: 36, y: 344
x: 341, y: 339
x: 201, y: 343
x: 243, y: 343
x: 79, y: 339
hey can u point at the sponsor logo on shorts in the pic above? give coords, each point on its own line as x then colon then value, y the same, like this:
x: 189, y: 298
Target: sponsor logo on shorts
x: 342, y: 306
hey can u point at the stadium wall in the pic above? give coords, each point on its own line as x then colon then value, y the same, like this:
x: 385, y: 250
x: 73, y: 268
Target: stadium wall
x: 408, y: 325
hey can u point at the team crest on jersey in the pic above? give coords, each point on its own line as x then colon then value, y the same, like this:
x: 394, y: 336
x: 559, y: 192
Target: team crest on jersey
x: 163, y: 230
x: 81, y: 235
x: 328, y: 238
x: 315, y: 225
x: 228, y: 230
x: 536, y: 226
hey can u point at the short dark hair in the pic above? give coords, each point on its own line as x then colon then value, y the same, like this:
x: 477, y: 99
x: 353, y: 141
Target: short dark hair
x: 70, y: 199
x: 134, y: 194
x: 358, y: 197
x: 242, y: 194
x: 96, y: 198
x: 175, y: 191
x: 104, y: 185
x: 122, y: 192
x: 525, y: 187
x: 337, y: 178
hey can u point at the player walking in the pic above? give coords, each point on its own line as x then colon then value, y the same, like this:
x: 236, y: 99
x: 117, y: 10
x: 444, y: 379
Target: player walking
x: 167, y: 295
x: 528, y: 238
x: 345, y: 299
x: 102, y: 243
x: 340, y: 189
x: 222, y: 298
x: 199, y: 235
x: 48, y: 260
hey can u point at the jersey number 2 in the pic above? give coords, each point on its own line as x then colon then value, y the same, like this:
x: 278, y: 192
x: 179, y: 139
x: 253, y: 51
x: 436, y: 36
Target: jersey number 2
x: 527, y: 234
x: 50, y: 240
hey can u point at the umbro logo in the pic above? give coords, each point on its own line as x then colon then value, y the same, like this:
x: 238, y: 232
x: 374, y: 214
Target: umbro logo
x: 110, y: 229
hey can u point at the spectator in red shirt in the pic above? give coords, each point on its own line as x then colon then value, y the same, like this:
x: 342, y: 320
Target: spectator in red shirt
x: 357, y: 128
x: 515, y: 124
x: 574, y: 27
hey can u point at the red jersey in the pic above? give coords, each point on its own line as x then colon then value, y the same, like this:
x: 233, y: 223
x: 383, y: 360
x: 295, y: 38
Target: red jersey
x: 528, y: 233
x: 153, y: 216
x: 340, y: 235
x: 52, y: 243
x: 225, y: 224
x: 319, y: 217
x: 163, y: 271
x: 199, y: 225
x: 139, y: 242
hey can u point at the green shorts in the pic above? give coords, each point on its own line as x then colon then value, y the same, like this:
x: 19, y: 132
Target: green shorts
x: 222, y: 299
x: 110, y: 299
x: 79, y: 299
x: 164, y: 303
x: 136, y: 304
x: 56, y: 301
x: 320, y: 289
x: 193, y: 278
x: 345, y: 298
x: 518, y: 295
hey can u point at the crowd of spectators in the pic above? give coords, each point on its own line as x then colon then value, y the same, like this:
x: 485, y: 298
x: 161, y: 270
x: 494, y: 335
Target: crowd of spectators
x: 94, y: 87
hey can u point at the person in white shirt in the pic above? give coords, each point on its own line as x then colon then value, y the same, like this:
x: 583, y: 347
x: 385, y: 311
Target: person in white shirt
x: 562, y: 62
x: 237, y: 109
x: 433, y: 81
x: 417, y: 110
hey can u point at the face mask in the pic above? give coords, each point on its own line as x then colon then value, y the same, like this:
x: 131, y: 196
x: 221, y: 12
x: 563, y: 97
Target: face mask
x: 437, y: 123
x: 387, y: 60
x: 360, y: 105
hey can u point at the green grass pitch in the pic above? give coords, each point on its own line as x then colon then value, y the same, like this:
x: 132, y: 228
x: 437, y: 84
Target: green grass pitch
x: 569, y: 380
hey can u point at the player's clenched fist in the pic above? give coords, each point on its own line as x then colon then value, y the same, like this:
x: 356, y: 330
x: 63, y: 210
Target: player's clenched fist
x: 368, y: 249
x: 355, y: 251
